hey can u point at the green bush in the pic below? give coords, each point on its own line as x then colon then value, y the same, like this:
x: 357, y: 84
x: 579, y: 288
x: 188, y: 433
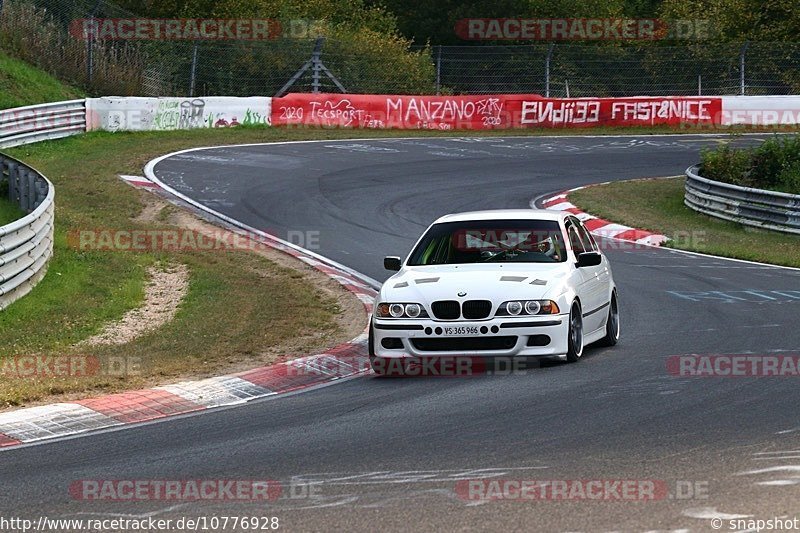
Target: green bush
x: 774, y: 165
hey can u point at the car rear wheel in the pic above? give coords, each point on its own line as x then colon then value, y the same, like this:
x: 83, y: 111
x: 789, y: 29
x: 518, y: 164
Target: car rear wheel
x: 575, y: 334
x: 612, y: 324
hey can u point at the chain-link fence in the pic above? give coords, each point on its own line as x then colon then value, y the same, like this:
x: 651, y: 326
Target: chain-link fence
x: 561, y: 70
x: 38, y: 32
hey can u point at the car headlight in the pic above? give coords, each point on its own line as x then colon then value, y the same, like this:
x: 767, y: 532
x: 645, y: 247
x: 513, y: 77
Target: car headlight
x: 400, y: 310
x: 528, y: 307
x: 532, y: 307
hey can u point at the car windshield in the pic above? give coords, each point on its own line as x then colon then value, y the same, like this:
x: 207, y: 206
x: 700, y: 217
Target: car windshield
x: 490, y: 241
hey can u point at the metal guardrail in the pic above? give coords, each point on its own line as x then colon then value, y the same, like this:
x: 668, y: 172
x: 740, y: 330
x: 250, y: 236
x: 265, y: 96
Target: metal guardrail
x: 26, y: 245
x: 30, y: 124
x: 773, y: 210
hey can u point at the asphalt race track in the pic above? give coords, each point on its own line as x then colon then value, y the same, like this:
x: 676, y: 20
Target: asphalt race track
x: 388, y: 454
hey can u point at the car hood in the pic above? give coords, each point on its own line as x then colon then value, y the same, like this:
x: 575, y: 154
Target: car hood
x: 496, y: 282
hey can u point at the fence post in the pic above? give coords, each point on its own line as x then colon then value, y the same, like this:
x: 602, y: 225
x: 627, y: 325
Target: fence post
x: 547, y: 70
x: 741, y: 67
x: 90, y: 44
x: 699, y: 85
x: 90, y: 51
x: 193, y: 75
x: 316, y: 65
x: 438, y: 69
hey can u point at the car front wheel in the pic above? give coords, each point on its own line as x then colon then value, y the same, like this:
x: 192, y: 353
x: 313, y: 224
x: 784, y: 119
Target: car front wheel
x: 575, y: 334
x: 612, y: 324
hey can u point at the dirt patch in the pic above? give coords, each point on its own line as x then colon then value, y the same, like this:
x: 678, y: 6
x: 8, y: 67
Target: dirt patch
x: 167, y: 286
x: 350, y: 319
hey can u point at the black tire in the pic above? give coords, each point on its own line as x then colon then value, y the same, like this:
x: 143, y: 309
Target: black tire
x: 575, y: 334
x: 612, y: 324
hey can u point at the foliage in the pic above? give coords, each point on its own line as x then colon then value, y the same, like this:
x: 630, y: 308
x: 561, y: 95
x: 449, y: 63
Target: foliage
x: 774, y: 165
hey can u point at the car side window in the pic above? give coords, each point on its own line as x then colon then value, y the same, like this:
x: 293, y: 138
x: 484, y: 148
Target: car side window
x: 588, y: 242
x: 575, y: 240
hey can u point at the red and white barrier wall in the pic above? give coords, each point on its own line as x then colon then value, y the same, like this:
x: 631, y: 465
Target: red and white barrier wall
x: 476, y: 112
x: 486, y: 112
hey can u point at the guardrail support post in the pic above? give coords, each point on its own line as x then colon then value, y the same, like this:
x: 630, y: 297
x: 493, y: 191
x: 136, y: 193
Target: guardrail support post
x: 41, y: 193
x: 24, y: 189
x: 31, y: 191
x: 12, y: 182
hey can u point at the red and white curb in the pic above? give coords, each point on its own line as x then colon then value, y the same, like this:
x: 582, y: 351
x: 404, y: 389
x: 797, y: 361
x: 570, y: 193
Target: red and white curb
x: 601, y: 227
x: 64, y: 419
x: 140, y: 182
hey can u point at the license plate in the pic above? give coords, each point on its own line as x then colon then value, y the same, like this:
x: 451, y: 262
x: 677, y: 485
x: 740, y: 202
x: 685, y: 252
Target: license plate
x: 460, y: 330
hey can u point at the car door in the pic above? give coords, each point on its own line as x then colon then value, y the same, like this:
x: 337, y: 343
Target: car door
x: 594, y: 293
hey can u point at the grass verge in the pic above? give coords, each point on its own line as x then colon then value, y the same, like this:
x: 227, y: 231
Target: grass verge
x: 657, y: 205
x: 22, y: 84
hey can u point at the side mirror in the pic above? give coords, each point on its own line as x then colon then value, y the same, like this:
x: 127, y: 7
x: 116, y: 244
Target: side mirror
x: 392, y: 263
x: 589, y: 259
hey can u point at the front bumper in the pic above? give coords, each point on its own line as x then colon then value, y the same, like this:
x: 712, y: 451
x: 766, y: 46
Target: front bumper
x: 544, y: 335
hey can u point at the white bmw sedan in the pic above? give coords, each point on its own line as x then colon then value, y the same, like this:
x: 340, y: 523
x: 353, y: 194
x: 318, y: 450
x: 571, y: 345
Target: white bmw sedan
x: 496, y: 283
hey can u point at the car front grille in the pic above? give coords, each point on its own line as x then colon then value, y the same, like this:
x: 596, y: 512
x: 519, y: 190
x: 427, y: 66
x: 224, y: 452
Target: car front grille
x: 465, y: 343
x: 446, y: 309
x: 476, y: 309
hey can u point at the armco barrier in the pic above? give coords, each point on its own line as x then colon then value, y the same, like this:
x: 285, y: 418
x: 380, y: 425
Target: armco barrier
x: 753, y: 207
x: 25, y: 125
x: 26, y: 245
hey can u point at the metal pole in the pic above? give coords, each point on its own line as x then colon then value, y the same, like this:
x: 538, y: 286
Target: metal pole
x: 547, y: 69
x: 566, y: 86
x: 316, y: 67
x: 741, y: 67
x: 90, y: 44
x: 193, y: 75
x: 90, y: 51
x: 439, y: 70
x: 699, y: 85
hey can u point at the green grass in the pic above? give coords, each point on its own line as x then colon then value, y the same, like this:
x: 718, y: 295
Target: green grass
x: 240, y: 306
x: 22, y: 84
x: 9, y: 211
x: 657, y: 205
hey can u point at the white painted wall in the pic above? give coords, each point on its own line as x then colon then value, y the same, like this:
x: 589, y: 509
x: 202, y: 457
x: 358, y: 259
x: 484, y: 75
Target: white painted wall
x: 760, y: 110
x: 159, y: 114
